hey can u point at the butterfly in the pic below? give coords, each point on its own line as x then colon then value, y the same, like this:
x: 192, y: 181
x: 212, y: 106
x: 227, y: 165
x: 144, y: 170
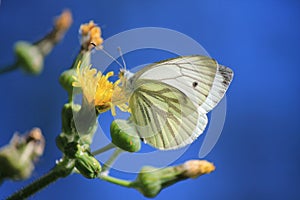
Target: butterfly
x: 169, y: 100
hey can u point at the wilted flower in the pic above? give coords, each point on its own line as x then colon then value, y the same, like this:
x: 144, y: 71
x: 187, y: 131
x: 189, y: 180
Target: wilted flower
x: 195, y: 168
x: 18, y: 157
x: 90, y: 36
x: 31, y: 56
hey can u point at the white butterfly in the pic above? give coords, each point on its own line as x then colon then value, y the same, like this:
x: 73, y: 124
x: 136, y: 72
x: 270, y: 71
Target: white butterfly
x: 169, y: 100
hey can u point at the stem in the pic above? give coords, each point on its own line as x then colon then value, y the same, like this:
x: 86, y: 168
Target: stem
x: 116, y: 181
x: 9, y: 68
x: 103, y: 149
x: 62, y: 169
x: 111, y: 160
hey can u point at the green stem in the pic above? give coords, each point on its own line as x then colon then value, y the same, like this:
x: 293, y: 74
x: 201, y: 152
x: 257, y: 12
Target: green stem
x: 116, y: 181
x: 104, y: 149
x: 62, y: 169
x: 9, y: 68
x: 111, y: 160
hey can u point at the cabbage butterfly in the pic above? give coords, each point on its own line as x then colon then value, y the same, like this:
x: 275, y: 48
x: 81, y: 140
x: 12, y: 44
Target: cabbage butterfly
x: 169, y: 100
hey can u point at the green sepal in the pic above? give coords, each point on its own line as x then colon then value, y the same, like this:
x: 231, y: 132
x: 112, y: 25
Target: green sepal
x: 29, y: 57
x: 149, y: 184
x: 124, y: 136
x: 151, y: 180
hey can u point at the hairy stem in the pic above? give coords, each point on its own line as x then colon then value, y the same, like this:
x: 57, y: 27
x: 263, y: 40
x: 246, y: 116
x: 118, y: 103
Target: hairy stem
x: 9, y: 68
x: 62, y: 169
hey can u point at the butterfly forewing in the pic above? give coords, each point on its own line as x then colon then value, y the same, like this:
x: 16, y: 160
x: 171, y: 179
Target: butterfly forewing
x: 192, y: 75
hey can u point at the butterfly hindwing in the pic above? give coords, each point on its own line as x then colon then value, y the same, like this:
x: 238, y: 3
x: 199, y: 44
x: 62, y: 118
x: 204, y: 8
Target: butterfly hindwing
x: 164, y: 116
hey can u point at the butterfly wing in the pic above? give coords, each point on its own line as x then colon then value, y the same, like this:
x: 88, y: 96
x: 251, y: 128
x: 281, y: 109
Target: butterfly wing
x: 200, y: 78
x: 164, y: 116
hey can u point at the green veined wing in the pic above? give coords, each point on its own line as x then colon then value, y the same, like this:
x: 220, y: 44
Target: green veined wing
x: 164, y: 116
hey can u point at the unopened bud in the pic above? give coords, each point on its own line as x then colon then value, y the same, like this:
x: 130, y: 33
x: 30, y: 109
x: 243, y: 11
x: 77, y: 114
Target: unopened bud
x: 29, y: 57
x: 85, y: 162
x: 151, y: 181
x: 125, y: 136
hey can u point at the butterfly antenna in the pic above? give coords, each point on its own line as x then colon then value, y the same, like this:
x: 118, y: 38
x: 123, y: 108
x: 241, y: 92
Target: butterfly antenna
x: 106, y: 53
x: 121, y: 54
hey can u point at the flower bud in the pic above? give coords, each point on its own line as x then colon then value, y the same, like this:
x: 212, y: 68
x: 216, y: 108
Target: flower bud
x: 17, y: 158
x: 87, y: 165
x: 66, y: 79
x: 29, y: 57
x: 151, y: 180
x: 125, y: 136
x: 85, y: 162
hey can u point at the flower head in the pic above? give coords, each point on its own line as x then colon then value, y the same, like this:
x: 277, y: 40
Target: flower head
x: 96, y: 88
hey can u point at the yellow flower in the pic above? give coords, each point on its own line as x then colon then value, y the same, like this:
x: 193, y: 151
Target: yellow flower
x: 90, y: 36
x: 97, y: 89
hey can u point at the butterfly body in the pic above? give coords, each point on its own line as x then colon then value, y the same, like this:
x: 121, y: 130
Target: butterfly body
x: 169, y: 100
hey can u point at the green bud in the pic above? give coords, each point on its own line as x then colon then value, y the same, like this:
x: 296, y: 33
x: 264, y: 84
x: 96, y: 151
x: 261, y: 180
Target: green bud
x: 29, y: 57
x: 87, y: 165
x: 124, y: 136
x: 66, y: 80
x: 85, y: 162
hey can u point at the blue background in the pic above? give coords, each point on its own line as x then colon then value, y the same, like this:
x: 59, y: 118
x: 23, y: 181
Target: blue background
x: 258, y: 154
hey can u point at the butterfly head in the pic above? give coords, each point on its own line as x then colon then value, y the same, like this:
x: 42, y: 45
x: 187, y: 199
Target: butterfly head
x: 125, y: 75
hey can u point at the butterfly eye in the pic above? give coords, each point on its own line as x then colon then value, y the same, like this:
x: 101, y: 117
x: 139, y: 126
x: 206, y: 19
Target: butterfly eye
x: 121, y: 74
x: 195, y: 84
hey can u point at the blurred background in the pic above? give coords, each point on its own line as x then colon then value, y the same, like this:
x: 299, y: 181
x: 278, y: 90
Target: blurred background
x: 258, y: 153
